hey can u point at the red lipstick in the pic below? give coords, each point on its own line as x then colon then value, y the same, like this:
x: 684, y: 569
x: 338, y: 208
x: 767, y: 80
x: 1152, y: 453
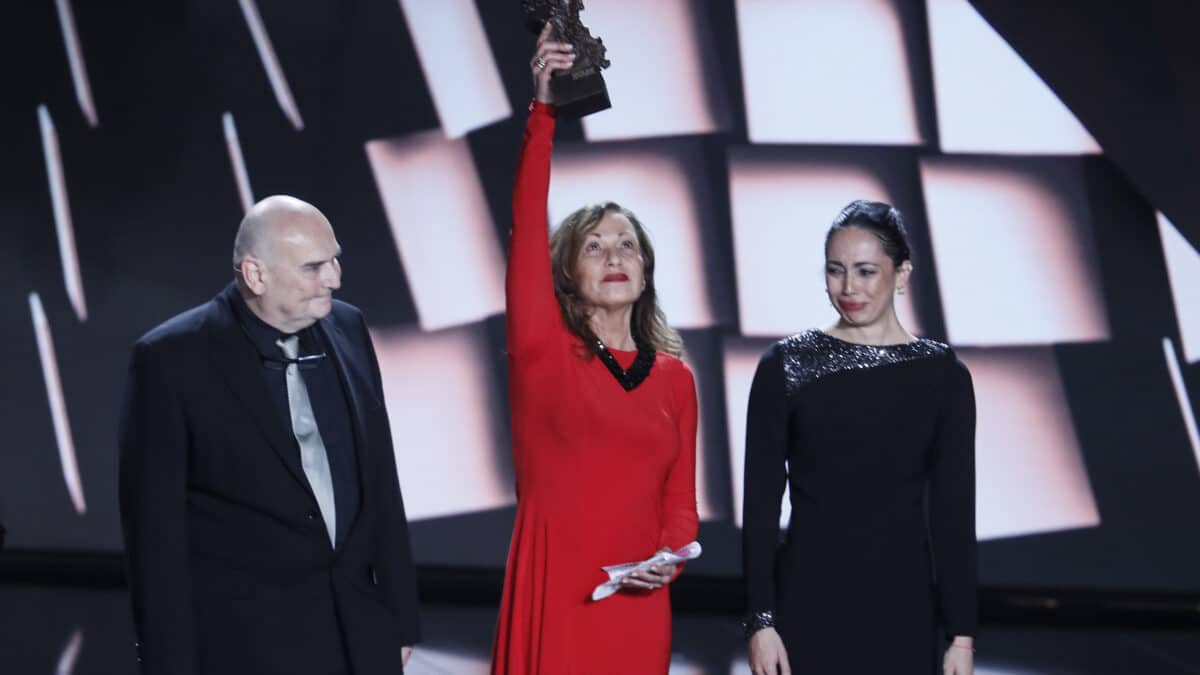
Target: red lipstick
x: 851, y: 307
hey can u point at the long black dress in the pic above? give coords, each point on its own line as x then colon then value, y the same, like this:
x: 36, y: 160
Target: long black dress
x: 877, y: 445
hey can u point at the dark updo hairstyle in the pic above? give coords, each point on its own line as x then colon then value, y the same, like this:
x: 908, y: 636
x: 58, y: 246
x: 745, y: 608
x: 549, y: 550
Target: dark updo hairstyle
x: 882, y: 220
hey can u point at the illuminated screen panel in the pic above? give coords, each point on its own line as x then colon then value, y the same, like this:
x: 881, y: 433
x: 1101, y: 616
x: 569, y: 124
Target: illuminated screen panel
x: 681, y: 665
x: 458, y: 64
x: 271, y: 64
x: 1019, y: 242
x: 79, y: 76
x: 826, y: 72
x: 706, y: 449
x: 782, y: 202
x: 658, y: 83
x: 63, y: 437
x: 741, y: 360
x: 435, y: 661
x: 662, y: 184
x: 237, y: 162
x: 1013, y: 244
x: 1182, y: 396
x: 1030, y: 476
x: 1183, y: 270
x: 64, y: 226
x: 988, y: 99
x: 442, y: 227
x: 452, y: 451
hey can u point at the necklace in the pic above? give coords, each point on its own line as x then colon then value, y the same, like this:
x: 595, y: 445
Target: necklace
x: 638, y: 371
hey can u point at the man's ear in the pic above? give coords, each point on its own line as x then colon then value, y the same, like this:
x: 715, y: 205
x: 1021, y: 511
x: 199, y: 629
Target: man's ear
x: 254, y: 275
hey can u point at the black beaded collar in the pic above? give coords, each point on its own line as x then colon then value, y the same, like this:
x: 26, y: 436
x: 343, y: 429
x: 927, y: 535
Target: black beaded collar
x: 638, y: 371
x: 814, y: 354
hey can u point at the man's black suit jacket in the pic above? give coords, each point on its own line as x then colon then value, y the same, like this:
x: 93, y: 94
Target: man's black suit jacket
x: 230, y: 565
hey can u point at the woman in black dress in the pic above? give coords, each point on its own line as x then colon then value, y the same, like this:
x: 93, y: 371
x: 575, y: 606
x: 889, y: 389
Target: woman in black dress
x: 873, y: 430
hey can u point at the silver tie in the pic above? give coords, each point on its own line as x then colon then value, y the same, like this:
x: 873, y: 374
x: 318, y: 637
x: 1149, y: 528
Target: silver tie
x: 312, y: 449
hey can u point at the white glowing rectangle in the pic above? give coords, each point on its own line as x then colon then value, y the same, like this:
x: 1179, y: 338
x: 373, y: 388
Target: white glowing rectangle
x: 58, y: 404
x: 79, y: 77
x: 741, y: 361
x: 782, y: 203
x: 70, y: 653
x: 64, y: 228
x: 826, y: 72
x: 1014, y: 250
x: 659, y: 183
x: 1181, y: 395
x: 458, y: 64
x: 271, y: 65
x: 449, y: 440
x: 988, y: 99
x: 442, y: 227
x: 657, y: 82
x: 1029, y: 470
x: 237, y: 162
x: 1183, y: 271
x: 682, y: 665
x: 427, y: 660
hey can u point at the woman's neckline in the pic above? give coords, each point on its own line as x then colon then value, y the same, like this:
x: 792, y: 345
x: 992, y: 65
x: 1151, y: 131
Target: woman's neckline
x: 892, y: 345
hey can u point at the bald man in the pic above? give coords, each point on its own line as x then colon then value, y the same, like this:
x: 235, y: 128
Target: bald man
x: 264, y: 528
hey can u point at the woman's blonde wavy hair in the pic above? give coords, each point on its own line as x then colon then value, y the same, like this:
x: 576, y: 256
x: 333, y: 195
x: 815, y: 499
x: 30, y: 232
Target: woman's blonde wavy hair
x: 649, y: 324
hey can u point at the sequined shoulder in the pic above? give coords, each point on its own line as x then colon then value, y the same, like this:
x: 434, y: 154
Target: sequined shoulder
x: 809, y: 356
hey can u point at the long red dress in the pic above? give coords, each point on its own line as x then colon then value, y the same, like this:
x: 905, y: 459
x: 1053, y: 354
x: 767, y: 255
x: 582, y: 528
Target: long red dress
x: 603, y: 475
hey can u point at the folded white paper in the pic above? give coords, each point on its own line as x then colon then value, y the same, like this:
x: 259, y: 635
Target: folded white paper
x: 616, y: 573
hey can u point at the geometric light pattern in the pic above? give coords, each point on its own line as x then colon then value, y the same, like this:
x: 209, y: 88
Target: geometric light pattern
x: 270, y: 63
x: 988, y: 99
x: 658, y: 81
x: 58, y: 405
x: 782, y: 204
x: 458, y: 64
x: 826, y: 72
x: 442, y: 227
x: 1183, y: 271
x: 1013, y: 245
x: 445, y: 418
x: 1030, y: 476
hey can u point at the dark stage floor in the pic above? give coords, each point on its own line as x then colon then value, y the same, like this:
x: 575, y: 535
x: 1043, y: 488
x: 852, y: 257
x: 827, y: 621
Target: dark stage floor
x: 65, y: 631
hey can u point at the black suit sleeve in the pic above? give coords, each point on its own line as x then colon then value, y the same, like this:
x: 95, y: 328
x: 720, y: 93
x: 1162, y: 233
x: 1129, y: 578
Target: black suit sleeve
x: 397, y: 574
x: 153, y: 501
x: 952, y: 503
x: 765, y: 478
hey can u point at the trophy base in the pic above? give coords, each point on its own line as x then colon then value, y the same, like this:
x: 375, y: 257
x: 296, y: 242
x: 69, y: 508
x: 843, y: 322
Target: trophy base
x: 580, y: 92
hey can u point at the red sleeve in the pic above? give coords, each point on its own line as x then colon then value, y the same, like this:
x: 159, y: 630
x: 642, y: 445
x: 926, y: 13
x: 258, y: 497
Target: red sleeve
x: 532, y: 312
x: 680, y: 520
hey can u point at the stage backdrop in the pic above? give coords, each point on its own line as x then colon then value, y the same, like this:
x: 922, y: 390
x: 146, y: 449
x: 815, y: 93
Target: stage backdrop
x: 134, y: 139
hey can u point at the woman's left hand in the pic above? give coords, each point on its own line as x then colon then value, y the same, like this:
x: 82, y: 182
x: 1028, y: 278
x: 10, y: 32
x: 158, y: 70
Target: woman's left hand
x: 651, y: 579
x: 960, y: 657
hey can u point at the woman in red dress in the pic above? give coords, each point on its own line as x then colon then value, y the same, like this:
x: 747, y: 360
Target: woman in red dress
x: 604, y: 429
